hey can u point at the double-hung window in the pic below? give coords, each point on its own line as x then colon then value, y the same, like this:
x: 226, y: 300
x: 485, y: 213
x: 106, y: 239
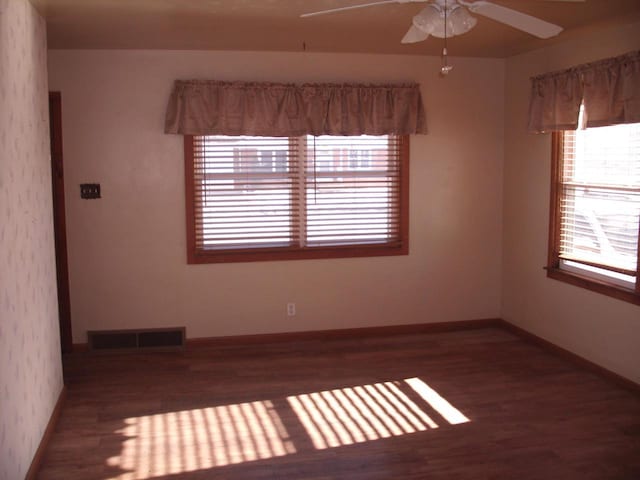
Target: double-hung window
x: 595, y: 209
x: 277, y: 198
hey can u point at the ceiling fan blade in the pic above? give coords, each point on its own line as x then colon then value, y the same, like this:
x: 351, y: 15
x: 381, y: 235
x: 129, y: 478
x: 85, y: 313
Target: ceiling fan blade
x: 513, y: 18
x: 352, y: 7
x: 414, y: 35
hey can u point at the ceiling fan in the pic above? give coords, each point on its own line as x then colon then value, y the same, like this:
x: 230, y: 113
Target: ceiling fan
x: 448, y: 18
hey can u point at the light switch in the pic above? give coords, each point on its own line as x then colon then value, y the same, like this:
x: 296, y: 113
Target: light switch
x: 89, y: 190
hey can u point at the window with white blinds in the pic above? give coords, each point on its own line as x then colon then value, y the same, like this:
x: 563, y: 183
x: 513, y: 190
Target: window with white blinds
x: 268, y: 198
x: 597, y: 204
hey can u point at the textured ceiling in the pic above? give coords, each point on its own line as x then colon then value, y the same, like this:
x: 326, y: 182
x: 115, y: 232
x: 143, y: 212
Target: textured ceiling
x: 276, y: 25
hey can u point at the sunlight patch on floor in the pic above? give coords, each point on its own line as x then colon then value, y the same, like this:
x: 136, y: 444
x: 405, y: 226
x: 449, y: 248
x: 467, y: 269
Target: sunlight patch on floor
x: 438, y: 403
x: 190, y: 440
x: 345, y: 416
x: 199, y: 439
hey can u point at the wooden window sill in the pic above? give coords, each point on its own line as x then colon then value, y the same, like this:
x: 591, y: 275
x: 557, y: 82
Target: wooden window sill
x: 259, y: 255
x: 598, y: 286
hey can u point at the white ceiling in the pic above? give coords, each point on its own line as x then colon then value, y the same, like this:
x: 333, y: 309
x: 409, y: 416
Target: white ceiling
x: 276, y: 25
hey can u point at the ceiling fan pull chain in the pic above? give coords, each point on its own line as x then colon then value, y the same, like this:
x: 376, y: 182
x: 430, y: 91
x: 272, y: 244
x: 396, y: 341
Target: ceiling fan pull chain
x: 446, y: 68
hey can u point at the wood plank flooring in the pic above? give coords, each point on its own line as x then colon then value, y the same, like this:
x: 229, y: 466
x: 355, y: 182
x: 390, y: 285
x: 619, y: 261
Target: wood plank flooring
x: 477, y: 404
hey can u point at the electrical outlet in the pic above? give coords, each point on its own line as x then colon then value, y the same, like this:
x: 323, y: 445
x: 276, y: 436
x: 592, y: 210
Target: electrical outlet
x: 291, y: 309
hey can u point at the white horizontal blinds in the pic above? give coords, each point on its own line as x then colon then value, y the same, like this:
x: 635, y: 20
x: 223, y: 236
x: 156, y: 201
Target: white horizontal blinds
x: 352, y: 190
x: 600, y: 205
x: 244, y: 192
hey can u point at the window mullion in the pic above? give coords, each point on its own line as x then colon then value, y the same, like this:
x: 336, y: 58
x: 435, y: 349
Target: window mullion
x: 299, y: 212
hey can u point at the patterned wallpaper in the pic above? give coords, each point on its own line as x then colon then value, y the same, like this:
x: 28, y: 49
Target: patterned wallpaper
x: 30, y: 366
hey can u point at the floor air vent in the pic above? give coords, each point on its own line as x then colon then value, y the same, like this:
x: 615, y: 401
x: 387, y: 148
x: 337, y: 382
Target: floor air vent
x: 137, y: 340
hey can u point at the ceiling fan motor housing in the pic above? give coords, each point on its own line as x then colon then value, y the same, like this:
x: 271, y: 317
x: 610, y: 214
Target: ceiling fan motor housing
x: 431, y: 20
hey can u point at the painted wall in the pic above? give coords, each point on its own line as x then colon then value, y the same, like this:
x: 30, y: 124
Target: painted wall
x: 30, y: 367
x: 127, y: 250
x: 601, y: 329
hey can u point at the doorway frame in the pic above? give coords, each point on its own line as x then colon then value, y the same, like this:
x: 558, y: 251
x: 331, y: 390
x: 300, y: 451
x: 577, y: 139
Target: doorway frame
x: 59, y: 221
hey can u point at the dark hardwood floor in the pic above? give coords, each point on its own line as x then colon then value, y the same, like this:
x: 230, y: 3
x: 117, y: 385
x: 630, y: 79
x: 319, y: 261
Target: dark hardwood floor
x: 477, y: 404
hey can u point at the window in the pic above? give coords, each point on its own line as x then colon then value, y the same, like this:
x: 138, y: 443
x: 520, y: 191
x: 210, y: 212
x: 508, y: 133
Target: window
x: 595, y: 212
x: 278, y: 198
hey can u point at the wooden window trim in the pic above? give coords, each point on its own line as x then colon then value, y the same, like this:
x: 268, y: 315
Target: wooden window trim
x: 553, y: 268
x: 194, y: 256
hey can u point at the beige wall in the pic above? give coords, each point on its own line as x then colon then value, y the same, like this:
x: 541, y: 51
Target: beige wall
x: 599, y: 328
x: 30, y: 367
x: 127, y: 250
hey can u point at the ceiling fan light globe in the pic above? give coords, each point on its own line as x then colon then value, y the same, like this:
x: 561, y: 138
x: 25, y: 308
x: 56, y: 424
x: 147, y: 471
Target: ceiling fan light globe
x: 428, y: 19
x: 459, y: 21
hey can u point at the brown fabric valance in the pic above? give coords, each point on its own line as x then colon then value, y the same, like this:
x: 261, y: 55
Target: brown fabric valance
x: 201, y: 107
x: 609, y: 90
